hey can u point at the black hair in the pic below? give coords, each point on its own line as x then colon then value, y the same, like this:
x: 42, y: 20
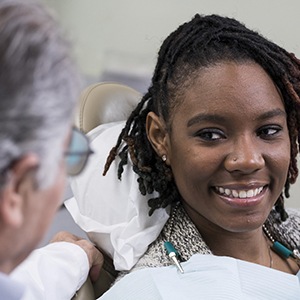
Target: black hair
x: 202, y: 42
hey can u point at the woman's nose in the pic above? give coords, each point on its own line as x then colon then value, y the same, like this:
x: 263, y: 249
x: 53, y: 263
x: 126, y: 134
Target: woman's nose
x: 246, y: 156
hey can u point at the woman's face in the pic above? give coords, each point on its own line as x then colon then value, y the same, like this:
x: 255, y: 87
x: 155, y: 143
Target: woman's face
x: 229, y: 147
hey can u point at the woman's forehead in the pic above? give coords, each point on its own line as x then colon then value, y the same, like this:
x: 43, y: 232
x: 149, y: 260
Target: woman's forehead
x: 235, y: 92
x: 228, y: 84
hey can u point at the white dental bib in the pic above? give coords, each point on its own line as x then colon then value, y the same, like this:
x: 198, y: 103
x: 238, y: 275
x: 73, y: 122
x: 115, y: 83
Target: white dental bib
x: 207, y: 277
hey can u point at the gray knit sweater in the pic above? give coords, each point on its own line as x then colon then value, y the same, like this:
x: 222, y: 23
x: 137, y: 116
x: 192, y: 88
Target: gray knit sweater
x: 187, y: 240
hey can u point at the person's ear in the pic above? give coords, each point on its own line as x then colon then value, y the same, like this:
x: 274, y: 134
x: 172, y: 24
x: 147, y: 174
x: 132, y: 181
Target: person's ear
x: 157, y: 134
x: 15, y: 190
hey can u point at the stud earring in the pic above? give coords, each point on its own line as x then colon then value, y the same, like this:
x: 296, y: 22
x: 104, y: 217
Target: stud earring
x: 164, y: 157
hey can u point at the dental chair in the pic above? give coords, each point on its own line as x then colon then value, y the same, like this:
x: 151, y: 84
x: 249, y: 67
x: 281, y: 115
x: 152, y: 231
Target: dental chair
x: 105, y: 102
x: 102, y: 103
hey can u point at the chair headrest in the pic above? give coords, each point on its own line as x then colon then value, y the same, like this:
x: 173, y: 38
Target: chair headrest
x: 105, y: 102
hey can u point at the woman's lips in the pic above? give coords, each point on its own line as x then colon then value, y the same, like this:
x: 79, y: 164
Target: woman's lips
x: 241, y: 197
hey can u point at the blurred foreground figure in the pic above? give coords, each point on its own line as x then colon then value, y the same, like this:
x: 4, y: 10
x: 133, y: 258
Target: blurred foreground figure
x: 38, y: 93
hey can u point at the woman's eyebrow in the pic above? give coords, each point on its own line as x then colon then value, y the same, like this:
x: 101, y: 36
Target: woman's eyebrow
x: 205, y: 117
x: 218, y: 118
x: 272, y: 113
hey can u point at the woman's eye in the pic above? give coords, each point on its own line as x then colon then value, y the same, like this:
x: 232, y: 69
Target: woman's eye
x: 269, y: 132
x: 211, y: 134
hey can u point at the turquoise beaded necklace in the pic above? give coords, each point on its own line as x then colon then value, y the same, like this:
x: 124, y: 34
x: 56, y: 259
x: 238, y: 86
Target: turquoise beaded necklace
x: 281, y: 249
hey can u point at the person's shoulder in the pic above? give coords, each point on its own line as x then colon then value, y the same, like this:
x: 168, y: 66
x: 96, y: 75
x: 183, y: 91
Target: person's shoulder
x: 294, y: 214
x: 290, y: 228
x: 286, y: 232
x: 292, y: 220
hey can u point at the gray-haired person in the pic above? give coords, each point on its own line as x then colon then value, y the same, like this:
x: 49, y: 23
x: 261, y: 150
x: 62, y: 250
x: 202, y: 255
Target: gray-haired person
x: 39, y: 86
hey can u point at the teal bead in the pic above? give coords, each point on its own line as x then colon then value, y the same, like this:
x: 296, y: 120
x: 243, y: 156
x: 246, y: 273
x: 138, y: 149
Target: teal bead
x: 169, y: 247
x: 282, y: 250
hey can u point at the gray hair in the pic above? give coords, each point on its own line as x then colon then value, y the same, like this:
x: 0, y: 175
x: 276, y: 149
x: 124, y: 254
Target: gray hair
x: 39, y: 87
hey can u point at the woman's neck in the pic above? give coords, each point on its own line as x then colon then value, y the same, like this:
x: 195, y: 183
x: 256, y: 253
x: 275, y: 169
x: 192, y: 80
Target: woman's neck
x: 251, y: 245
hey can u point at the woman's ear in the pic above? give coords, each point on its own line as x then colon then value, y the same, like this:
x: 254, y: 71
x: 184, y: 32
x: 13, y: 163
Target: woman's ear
x: 15, y: 191
x: 157, y: 134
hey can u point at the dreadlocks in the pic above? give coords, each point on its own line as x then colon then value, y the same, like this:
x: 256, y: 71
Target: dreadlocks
x: 203, y: 42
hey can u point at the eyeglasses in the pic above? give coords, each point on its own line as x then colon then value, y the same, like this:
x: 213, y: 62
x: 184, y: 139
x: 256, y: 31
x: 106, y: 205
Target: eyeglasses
x: 78, y: 153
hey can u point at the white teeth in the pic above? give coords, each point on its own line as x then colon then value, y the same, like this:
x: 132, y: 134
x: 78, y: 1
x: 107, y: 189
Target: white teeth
x: 227, y: 192
x: 235, y: 193
x: 242, y: 194
x: 239, y: 194
x: 250, y: 193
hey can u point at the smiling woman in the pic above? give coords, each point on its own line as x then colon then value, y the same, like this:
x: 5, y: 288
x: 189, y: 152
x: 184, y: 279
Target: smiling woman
x: 216, y: 136
x: 231, y: 146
